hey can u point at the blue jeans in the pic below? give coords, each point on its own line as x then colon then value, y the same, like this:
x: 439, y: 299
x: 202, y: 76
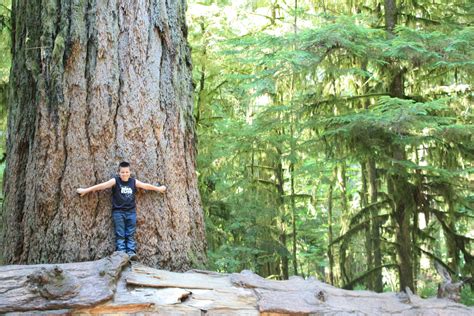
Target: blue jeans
x: 125, y: 223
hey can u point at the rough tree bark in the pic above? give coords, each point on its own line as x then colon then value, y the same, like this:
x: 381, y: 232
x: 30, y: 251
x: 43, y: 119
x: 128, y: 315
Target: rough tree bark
x: 94, y: 83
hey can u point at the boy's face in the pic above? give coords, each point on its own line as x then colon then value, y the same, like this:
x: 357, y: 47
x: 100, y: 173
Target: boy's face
x: 124, y: 173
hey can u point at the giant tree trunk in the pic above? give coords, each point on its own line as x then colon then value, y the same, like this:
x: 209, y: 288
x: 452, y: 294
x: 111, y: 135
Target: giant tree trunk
x: 94, y: 83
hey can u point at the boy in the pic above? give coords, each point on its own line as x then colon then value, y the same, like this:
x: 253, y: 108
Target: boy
x: 123, y: 206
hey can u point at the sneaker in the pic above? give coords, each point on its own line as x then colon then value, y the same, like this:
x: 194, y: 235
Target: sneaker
x: 132, y: 256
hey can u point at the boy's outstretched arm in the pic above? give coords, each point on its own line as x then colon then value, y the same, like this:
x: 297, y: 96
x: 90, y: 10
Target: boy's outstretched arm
x: 97, y: 187
x: 147, y: 186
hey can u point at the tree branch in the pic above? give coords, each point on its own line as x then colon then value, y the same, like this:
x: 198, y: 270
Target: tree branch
x: 367, y: 273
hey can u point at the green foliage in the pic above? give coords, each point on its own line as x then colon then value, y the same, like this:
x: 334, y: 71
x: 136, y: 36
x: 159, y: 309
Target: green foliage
x: 5, y: 42
x: 428, y: 291
x: 286, y: 117
x: 467, y: 296
x: 293, y: 102
x: 5, y: 63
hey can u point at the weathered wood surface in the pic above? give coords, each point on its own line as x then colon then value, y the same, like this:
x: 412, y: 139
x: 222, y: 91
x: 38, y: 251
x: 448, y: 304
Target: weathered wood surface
x: 55, y: 286
x: 148, y: 291
x: 144, y: 276
x: 314, y: 297
x: 187, y: 293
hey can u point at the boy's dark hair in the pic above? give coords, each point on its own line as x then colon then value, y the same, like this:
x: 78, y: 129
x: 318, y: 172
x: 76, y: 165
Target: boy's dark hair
x: 124, y: 164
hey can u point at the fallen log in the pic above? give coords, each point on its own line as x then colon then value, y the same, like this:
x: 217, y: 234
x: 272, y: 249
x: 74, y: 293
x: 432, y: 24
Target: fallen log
x: 59, y: 286
x: 113, y: 285
x: 310, y: 296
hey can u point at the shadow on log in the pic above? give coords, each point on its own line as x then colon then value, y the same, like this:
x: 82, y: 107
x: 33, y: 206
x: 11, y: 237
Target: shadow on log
x: 114, y: 285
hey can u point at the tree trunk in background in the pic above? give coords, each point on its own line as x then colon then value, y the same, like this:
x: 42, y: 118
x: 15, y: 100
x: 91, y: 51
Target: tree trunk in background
x: 375, y: 229
x: 452, y: 248
x: 368, y: 231
x: 402, y: 193
x: 330, y: 231
x: 345, y: 256
x: 292, y: 153
x: 374, y: 256
x: 284, y: 259
x: 94, y: 83
x: 403, y: 201
x: 293, y: 218
x: 390, y: 15
x: 402, y: 212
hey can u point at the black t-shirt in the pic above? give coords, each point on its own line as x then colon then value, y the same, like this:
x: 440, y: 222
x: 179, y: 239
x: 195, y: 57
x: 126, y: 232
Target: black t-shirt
x: 123, y: 194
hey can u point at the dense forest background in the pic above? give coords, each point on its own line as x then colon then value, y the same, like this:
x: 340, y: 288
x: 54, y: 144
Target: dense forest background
x: 335, y: 138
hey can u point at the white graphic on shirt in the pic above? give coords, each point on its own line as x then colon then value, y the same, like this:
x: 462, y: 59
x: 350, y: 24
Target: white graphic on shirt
x: 126, y: 191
